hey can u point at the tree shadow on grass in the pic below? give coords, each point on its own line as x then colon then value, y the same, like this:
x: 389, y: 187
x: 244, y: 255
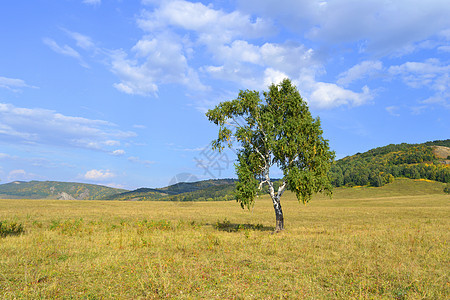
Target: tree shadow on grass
x: 227, y: 226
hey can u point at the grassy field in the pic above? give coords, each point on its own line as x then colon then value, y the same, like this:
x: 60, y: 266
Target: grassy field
x: 365, y: 243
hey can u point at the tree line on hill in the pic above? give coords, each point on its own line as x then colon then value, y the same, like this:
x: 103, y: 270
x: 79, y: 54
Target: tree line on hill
x: 380, y: 166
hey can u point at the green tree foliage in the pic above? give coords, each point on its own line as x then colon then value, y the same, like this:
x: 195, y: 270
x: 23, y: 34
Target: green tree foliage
x: 445, y: 143
x: 276, y: 130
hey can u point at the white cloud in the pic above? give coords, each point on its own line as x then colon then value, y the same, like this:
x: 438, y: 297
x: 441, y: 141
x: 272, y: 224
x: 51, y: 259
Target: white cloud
x: 4, y: 155
x: 211, y: 25
x: 164, y: 56
x: 157, y: 60
x: 288, y: 57
x: 99, y: 175
x: 254, y: 67
x: 273, y: 76
x: 239, y: 51
x: 418, y: 74
x: 431, y: 74
x: 111, y: 143
x: 329, y: 95
x: 92, y: 2
x: 137, y: 160
x: 13, y: 84
x: 134, y: 79
x: 359, y: 71
x: 444, y: 48
x: 65, y: 50
x: 43, y: 126
x: 382, y: 27
x: 118, y: 152
x: 392, y: 110
x: 81, y: 40
x: 179, y: 34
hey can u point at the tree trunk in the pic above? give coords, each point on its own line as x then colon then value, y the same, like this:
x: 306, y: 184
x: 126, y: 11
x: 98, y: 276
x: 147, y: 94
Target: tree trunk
x: 279, y: 216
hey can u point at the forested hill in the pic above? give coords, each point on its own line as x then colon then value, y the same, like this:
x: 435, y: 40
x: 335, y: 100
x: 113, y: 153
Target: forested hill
x: 206, y: 190
x: 375, y: 167
x: 55, y: 190
x: 381, y: 165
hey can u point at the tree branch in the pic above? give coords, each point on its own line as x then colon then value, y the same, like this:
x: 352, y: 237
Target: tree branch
x: 281, y: 189
x: 261, y: 184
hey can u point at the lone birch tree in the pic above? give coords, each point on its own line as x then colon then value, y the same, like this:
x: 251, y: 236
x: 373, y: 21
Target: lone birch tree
x: 277, y: 130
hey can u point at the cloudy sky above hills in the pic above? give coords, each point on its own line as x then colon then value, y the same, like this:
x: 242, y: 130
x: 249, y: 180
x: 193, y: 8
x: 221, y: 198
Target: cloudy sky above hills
x: 114, y: 92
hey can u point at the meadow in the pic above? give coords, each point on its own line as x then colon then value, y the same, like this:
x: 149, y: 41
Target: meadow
x: 364, y: 243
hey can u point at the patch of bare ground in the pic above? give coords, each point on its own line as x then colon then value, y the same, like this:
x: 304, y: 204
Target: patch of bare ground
x: 442, y: 152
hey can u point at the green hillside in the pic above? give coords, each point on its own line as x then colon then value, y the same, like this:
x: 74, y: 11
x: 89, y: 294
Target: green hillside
x: 380, y: 166
x: 55, y: 190
x: 374, y: 168
x: 398, y: 188
x: 139, y: 194
x: 212, y: 190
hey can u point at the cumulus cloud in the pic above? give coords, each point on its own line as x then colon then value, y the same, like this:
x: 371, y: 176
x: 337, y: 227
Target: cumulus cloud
x: 329, y: 95
x: 253, y: 66
x: 13, y: 84
x: 226, y: 37
x: 211, y: 25
x: 43, y: 126
x: 163, y: 56
x: 179, y: 34
x: 157, y: 60
x: 273, y: 76
x: 99, y: 175
x: 189, y: 44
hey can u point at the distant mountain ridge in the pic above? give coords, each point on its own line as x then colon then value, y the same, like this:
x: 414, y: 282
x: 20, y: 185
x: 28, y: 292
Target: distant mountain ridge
x: 212, y: 190
x: 376, y: 167
x: 56, y: 190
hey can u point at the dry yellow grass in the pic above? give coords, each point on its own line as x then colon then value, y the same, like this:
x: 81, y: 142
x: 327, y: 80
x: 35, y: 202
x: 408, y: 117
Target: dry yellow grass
x: 372, y: 247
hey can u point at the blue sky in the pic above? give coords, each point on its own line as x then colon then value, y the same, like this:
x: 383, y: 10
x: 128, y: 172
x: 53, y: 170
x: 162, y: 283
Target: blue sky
x: 114, y: 92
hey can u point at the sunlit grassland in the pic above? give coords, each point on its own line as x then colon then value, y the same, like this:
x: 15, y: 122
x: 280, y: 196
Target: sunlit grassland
x: 377, y: 245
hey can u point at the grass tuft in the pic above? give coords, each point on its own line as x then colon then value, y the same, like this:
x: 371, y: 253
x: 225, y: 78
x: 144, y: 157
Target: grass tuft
x: 10, y: 228
x: 227, y: 226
